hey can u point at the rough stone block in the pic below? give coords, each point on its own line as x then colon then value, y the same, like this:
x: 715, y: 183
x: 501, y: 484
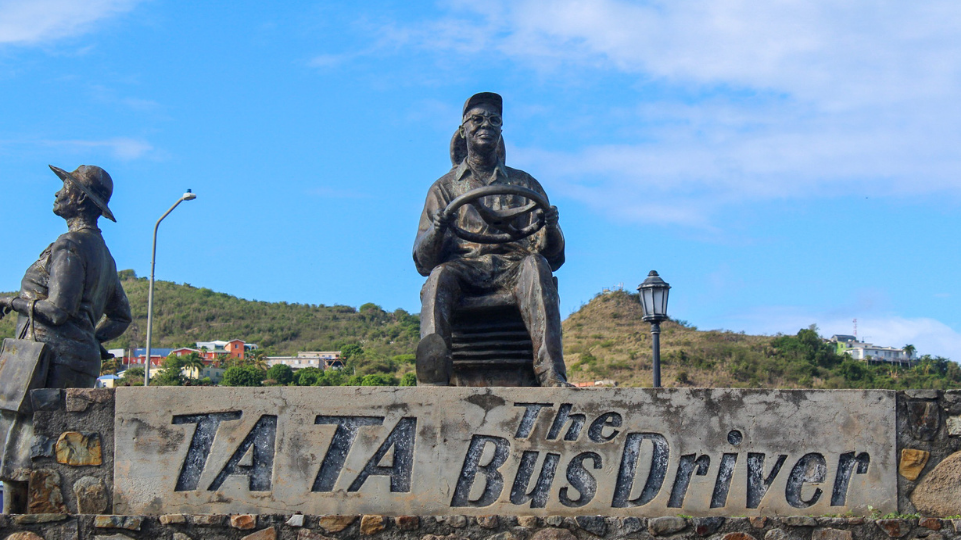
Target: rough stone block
x: 78, y: 449
x: 953, y: 424
x: 895, y: 528
x: 265, y: 534
x: 407, y: 523
x: 737, y: 536
x: 91, y: 495
x: 592, y: 524
x: 707, y: 526
x: 131, y: 523
x: 78, y: 399
x: 43, y: 492
x: 924, y: 419
x: 24, y: 535
x: 243, y: 521
x: 457, y: 522
x: 937, y: 493
x: 912, y: 462
x: 554, y: 521
x: 115, y: 536
x: 46, y: 399
x: 758, y: 522
x: 553, y: 533
x: 528, y: 521
x: 629, y: 525
x: 36, y: 519
x: 930, y: 523
x: 296, y: 520
x: 440, y: 440
x: 181, y: 536
x: 776, y: 534
x: 921, y: 393
x: 307, y: 534
x: 335, y: 524
x: 664, y: 526
x: 208, y: 520
x: 831, y: 534
x: 800, y: 521
x: 372, y: 524
x: 487, y: 522
x: 173, y: 519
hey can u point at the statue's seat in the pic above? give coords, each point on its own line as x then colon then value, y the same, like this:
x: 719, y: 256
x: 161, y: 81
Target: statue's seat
x: 490, y: 343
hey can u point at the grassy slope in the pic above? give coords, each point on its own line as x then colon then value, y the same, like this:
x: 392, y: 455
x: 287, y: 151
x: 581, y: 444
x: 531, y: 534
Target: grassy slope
x: 605, y: 339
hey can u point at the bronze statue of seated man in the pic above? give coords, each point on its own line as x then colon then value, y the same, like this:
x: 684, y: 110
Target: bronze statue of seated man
x: 488, y: 229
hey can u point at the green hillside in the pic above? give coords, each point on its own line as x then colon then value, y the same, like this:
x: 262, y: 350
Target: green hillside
x: 604, y: 339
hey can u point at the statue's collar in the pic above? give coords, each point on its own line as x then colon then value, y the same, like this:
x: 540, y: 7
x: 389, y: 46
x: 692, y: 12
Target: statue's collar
x: 500, y: 172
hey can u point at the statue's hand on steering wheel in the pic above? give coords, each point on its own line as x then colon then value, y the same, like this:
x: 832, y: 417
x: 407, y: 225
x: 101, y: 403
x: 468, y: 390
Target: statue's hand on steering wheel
x: 502, y: 220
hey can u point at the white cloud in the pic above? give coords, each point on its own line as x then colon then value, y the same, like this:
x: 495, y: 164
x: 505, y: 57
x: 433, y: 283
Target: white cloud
x: 790, y: 98
x: 121, y: 147
x: 35, y: 21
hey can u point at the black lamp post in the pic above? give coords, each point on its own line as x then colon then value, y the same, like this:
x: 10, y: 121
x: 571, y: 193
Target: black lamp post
x: 653, y: 294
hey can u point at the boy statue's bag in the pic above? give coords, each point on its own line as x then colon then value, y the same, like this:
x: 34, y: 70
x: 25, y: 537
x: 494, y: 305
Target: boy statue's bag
x: 22, y: 368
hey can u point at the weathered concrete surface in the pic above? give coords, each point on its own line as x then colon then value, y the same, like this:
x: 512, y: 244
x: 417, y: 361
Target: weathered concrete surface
x: 419, y: 451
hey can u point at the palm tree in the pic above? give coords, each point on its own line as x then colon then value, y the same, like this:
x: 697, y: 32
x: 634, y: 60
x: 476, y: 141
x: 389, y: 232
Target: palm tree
x: 909, y: 350
x: 193, y: 361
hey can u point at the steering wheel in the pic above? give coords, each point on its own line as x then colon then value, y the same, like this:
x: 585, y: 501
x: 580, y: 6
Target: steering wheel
x: 501, y: 220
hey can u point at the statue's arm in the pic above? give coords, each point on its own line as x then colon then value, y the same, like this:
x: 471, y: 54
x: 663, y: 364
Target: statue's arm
x: 117, y: 315
x: 429, y: 244
x: 65, y: 289
x: 552, y: 244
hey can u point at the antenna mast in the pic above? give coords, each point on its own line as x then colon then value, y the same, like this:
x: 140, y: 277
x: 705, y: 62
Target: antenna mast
x: 855, y: 328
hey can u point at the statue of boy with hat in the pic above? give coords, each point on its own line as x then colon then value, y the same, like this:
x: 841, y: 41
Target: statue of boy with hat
x: 71, y: 300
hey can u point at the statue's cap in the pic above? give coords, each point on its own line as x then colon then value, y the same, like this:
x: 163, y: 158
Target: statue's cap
x: 94, y: 182
x: 489, y: 98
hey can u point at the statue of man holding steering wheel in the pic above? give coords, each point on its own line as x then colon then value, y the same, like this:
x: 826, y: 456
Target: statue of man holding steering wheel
x: 488, y: 228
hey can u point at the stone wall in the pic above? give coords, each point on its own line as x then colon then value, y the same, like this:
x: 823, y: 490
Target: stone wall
x: 456, y: 527
x: 72, y: 486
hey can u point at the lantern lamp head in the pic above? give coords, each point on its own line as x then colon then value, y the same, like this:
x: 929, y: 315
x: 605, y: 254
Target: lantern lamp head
x: 653, y: 293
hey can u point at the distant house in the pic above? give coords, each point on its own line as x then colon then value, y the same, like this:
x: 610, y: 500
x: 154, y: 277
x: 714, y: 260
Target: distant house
x: 868, y: 352
x: 304, y: 359
x: 107, y: 381
x: 138, y: 357
x: 214, y: 373
x: 218, y: 350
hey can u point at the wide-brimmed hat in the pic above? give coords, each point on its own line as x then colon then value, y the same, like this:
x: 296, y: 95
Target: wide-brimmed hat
x: 94, y: 182
x: 489, y: 98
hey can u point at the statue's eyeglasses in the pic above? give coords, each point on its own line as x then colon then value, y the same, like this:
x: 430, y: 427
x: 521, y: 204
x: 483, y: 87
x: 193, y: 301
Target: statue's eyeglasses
x: 478, y: 119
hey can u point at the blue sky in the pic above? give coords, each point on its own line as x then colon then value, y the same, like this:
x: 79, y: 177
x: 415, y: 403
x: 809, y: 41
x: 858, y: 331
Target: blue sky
x: 779, y: 163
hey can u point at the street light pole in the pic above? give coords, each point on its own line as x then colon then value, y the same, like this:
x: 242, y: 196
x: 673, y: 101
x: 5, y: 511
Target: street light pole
x: 189, y: 196
x: 653, y: 296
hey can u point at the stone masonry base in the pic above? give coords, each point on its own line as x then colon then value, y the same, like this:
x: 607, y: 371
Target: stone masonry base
x: 374, y: 527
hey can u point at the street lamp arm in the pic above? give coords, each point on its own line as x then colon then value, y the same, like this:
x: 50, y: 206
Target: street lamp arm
x: 153, y: 262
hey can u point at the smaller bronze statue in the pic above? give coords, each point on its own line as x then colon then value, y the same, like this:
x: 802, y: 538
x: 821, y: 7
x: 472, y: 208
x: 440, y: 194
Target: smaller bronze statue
x: 488, y: 241
x: 71, y: 301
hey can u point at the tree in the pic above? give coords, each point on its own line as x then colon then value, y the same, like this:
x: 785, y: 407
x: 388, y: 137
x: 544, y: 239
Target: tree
x: 350, y: 351
x: 281, y: 373
x: 378, y: 379
x: 170, y: 373
x: 910, y: 350
x: 409, y: 379
x: 243, y: 376
x: 193, y: 361
x: 307, y: 376
x: 132, y: 377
